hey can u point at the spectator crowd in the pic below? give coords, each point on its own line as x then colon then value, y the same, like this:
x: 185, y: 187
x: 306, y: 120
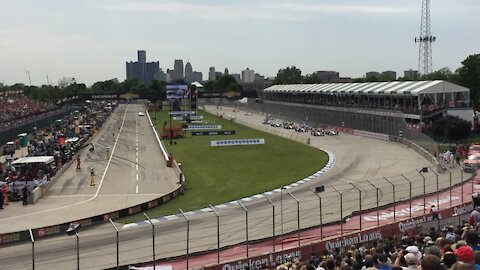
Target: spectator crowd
x: 454, y: 247
x: 62, y: 140
x: 16, y: 108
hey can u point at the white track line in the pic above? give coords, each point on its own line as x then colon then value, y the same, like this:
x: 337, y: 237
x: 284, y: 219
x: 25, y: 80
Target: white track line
x: 88, y: 200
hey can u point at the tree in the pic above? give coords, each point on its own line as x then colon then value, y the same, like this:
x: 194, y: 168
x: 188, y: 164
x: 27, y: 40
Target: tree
x: 442, y: 74
x: 226, y: 83
x: 312, y: 78
x: 469, y: 76
x: 289, y: 75
x: 451, y: 128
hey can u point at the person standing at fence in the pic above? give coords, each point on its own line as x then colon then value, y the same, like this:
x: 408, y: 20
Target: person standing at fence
x: 1, y: 200
x: 434, y: 212
x: 78, y: 162
x: 5, y: 194
x: 476, y: 200
x: 25, y: 195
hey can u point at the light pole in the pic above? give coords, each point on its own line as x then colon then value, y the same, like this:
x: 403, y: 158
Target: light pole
x: 410, y: 194
x: 341, y: 208
x: 153, y: 239
x: 218, y: 232
x: 246, y: 224
x: 33, y: 248
x: 359, y: 203
x: 438, y: 195
x: 273, y: 222
x: 424, y: 192
x: 116, y: 231
x: 319, y: 207
x: 170, y: 129
x: 450, y: 172
x: 188, y: 234
x: 298, y: 216
x: 281, y: 212
x: 394, y: 201
x: 378, y: 203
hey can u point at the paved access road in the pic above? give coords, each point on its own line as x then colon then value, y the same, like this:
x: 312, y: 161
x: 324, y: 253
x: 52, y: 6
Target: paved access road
x: 357, y: 159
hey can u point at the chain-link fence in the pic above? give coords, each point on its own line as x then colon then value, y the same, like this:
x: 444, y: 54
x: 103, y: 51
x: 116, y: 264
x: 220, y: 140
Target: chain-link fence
x: 267, y: 224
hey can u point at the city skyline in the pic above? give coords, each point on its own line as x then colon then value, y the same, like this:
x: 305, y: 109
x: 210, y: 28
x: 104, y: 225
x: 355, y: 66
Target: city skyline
x: 351, y: 37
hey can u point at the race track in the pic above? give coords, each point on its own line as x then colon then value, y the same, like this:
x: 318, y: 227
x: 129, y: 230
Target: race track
x: 357, y: 160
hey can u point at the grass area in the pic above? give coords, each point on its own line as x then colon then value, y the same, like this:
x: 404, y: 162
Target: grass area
x: 215, y: 175
x: 474, y: 138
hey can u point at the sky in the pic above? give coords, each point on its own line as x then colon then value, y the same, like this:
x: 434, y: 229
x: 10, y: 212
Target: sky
x: 91, y: 40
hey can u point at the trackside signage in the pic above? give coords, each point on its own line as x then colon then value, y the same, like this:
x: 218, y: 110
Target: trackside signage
x: 237, y: 142
x: 267, y: 260
x: 201, y: 127
x: 173, y: 113
x: 354, y: 240
x: 208, y: 133
x: 413, y: 223
x: 192, y: 117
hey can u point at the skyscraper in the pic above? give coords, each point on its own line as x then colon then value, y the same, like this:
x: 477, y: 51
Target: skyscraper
x: 211, y: 74
x: 248, y: 76
x: 178, y: 70
x: 188, y: 72
x: 142, y: 71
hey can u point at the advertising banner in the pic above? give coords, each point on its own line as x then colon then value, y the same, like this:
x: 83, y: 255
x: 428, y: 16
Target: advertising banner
x: 201, y: 127
x: 173, y: 113
x: 177, y: 91
x: 192, y: 117
x: 208, y: 133
x: 237, y: 142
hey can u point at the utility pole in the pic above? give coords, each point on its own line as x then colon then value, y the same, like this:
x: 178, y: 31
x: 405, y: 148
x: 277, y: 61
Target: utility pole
x: 425, y: 40
x: 29, y: 79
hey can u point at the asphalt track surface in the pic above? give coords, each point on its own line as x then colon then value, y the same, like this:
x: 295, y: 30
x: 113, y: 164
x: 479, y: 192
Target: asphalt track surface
x: 357, y: 159
x: 133, y: 173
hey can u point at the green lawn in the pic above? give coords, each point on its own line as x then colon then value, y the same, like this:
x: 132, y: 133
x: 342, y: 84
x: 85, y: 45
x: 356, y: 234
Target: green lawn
x: 215, y: 175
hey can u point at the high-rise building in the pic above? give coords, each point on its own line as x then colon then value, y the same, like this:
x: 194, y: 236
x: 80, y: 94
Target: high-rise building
x: 410, y: 74
x: 372, y: 74
x: 226, y: 71
x: 389, y: 75
x: 237, y: 77
x: 211, y: 74
x: 142, y: 71
x: 188, y: 73
x: 248, y: 76
x: 142, y: 56
x: 196, y: 76
x: 218, y: 74
x: 258, y: 77
x: 178, y: 70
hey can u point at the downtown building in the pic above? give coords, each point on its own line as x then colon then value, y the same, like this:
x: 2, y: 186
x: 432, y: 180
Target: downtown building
x: 143, y: 71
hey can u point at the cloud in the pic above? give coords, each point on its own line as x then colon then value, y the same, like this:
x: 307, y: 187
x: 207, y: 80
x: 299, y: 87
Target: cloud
x: 253, y: 10
x: 327, y: 8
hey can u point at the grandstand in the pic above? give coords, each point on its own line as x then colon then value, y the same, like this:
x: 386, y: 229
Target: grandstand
x: 419, y: 100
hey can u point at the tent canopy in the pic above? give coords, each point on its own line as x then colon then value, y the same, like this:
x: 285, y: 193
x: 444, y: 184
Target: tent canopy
x: 39, y: 159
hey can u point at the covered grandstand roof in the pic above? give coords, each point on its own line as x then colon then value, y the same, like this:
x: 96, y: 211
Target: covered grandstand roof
x: 374, y: 88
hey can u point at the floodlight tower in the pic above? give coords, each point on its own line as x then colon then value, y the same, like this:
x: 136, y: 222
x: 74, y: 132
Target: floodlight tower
x: 425, y: 40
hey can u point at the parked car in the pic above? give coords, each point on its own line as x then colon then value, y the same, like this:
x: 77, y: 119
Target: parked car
x: 474, y: 149
x: 472, y: 163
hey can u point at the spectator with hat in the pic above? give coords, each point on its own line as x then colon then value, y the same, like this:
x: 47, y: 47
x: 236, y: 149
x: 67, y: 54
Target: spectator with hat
x: 465, y: 254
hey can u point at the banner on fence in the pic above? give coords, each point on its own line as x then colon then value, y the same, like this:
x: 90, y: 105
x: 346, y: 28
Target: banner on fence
x: 237, y: 142
x: 192, y: 117
x: 172, y: 113
x: 201, y: 127
x: 208, y: 133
